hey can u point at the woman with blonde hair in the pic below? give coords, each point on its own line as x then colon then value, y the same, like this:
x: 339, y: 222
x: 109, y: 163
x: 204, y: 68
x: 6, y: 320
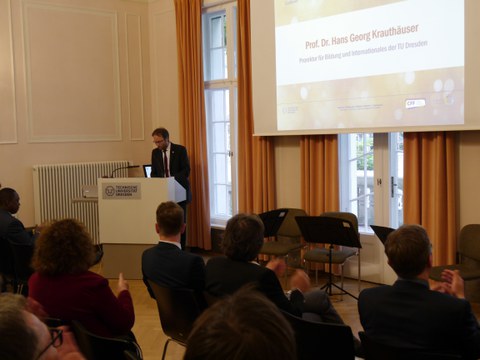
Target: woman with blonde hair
x: 67, y: 289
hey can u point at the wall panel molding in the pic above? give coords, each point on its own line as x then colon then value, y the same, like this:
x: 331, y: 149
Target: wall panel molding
x: 135, y: 77
x: 72, y: 73
x: 8, y: 113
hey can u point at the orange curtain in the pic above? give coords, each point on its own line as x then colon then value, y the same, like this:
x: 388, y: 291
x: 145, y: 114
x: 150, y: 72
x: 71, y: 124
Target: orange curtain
x: 256, y: 158
x: 319, y: 177
x: 429, y: 189
x: 192, y: 117
x: 319, y: 173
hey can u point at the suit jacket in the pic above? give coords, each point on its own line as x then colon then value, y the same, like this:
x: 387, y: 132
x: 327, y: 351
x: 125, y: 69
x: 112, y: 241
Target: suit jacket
x: 409, y: 314
x: 179, y: 166
x: 85, y: 297
x: 169, y: 266
x: 11, y: 229
x: 225, y: 276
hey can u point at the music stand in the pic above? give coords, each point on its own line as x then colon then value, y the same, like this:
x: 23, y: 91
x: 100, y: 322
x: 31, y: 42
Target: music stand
x: 332, y: 231
x: 272, y: 220
x: 382, y: 232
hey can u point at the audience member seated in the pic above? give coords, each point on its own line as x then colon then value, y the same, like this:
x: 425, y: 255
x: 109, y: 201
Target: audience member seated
x: 408, y: 313
x: 242, y: 241
x: 64, y: 286
x: 24, y: 337
x: 166, y: 263
x: 245, y: 325
x: 11, y: 229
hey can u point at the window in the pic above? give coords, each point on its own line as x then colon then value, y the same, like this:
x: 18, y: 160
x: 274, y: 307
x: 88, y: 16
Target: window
x: 219, y: 58
x: 371, y: 185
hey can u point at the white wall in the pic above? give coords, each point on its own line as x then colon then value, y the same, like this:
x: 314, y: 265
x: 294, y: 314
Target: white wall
x: 76, y: 84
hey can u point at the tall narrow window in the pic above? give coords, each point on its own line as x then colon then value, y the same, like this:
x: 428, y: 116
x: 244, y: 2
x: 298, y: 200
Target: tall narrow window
x: 368, y: 181
x: 219, y: 55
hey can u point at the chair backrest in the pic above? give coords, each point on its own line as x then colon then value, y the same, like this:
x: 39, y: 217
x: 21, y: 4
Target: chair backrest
x: 178, y: 309
x: 318, y: 340
x: 95, y: 347
x: 378, y: 351
x: 289, y: 227
x: 6, y: 261
x: 130, y: 355
x: 22, y: 257
x: 469, y: 241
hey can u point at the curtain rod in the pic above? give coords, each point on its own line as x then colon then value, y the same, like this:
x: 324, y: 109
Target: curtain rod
x: 221, y: 2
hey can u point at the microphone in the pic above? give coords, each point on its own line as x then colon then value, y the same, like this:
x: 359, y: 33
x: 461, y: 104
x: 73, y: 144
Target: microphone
x: 123, y: 167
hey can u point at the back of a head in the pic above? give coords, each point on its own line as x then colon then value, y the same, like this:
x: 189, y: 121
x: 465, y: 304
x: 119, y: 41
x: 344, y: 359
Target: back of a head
x: 244, y: 326
x: 169, y: 218
x: 63, y: 247
x: 17, y: 340
x: 408, y: 250
x: 243, y: 237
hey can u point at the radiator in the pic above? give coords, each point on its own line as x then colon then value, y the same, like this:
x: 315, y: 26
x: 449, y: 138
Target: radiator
x: 57, y: 188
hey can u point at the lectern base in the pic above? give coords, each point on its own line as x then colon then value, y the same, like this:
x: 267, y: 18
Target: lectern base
x: 126, y: 258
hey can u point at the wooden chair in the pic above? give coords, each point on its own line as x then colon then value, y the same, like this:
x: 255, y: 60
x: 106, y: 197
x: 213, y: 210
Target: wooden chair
x: 178, y: 309
x: 378, y: 351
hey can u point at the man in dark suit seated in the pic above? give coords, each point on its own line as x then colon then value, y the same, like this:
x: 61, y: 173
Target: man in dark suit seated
x: 11, y: 228
x: 409, y: 314
x: 165, y: 263
x: 242, y: 241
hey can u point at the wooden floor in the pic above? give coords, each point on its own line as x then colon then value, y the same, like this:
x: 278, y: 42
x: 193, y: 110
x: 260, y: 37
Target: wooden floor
x: 149, y: 333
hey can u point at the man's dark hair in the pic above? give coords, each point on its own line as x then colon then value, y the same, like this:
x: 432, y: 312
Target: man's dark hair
x: 243, y: 237
x: 245, y: 325
x: 408, y: 249
x: 161, y: 132
x: 6, y: 196
x: 169, y: 218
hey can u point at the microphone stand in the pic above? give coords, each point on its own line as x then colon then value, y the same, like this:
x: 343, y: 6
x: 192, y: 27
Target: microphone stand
x: 123, y: 167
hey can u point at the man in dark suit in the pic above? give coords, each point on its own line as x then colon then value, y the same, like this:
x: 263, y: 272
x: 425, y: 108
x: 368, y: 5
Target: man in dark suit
x: 242, y: 241
x: 170, y: 159
x: 409, y: 314
x: 11, y: 229
x: 165, y: 263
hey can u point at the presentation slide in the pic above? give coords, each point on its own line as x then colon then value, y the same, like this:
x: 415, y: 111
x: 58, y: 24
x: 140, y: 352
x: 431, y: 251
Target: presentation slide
x: 346, y: 66
x: 363, y: 64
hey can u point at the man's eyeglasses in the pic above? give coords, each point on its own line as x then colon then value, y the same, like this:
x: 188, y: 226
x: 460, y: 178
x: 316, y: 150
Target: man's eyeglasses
x: 57, y: 340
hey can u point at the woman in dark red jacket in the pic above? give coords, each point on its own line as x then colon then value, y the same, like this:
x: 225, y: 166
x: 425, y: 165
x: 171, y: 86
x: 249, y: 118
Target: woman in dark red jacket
x: 64, y: 286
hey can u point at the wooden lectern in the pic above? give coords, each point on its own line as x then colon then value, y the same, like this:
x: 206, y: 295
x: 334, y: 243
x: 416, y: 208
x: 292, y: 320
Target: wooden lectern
x: 126, y: 211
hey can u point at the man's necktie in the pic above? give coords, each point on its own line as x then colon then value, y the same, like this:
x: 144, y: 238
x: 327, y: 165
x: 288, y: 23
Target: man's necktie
x: 165, y: 163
